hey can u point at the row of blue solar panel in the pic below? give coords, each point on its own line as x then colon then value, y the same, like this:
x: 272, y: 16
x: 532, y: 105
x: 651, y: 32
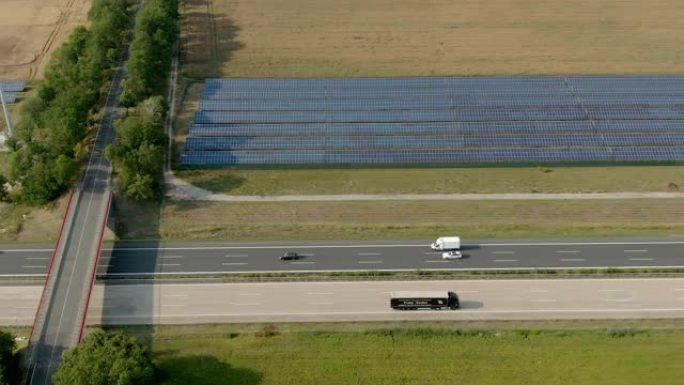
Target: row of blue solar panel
x: 474, y: 114
x: 423, y: 92
x: 459, y: 97
x: 9, y: 97
x: 420, y: 104
x: 464, y: 96
x: 466, y: 79
x: 12, y: 85
x: 425, y: 141
x: 266, y: 158
x: 428, y: 128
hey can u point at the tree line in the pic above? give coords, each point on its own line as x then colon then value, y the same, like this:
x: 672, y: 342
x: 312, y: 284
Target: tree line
x: 50, y: 135
x: 138, y: 152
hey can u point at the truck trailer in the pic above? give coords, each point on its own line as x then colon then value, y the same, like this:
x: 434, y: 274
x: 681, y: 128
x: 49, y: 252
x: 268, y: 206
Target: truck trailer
x: 414, y: 300
x: 446, y: 243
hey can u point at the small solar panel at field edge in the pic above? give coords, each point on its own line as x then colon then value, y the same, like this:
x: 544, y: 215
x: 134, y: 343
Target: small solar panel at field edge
x: 13, y: 86
x: 9, y: 97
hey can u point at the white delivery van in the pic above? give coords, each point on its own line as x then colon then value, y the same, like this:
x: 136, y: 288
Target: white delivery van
x: 446, y: 243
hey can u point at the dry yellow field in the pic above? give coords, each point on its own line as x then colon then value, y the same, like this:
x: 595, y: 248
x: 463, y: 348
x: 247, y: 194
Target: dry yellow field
x: 312, y: 38
x: 31, y: 30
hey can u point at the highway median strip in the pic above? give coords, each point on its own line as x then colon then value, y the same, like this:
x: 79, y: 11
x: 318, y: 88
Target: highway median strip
x: 409, y: 274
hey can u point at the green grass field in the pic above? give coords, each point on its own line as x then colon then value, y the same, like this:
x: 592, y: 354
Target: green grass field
x: 405, y: 355
x: 438, y: 180
x: 278, y: 221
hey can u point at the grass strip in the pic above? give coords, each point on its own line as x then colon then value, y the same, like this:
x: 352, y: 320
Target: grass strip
x: 411, y: 353
x: 483, y: 180
x: 407, y: 275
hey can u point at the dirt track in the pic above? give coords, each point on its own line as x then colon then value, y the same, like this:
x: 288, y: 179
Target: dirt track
x: 32, y: 30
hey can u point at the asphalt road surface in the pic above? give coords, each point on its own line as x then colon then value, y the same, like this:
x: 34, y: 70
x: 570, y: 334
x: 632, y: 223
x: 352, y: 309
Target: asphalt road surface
x: 538, y: 299
x: 59, y: 321
x: 232, y: 258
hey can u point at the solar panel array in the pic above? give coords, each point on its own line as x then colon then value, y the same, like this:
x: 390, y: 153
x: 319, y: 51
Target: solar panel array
x: 437, y: 120
x: 10, y: 89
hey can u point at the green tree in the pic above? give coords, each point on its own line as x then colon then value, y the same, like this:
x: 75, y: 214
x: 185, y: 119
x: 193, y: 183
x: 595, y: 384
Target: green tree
x: 65, y: 169
x: 141, y: 187
x: 9, y: 364
x: 38, y: 185
x: 106, y: 359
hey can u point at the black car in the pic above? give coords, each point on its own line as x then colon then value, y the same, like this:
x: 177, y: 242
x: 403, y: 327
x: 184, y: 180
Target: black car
x: 290, y: 256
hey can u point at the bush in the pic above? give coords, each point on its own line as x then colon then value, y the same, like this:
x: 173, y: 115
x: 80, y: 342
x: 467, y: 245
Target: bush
x: 267, y: 331
x: 622, y: 333
x: 4, y: 194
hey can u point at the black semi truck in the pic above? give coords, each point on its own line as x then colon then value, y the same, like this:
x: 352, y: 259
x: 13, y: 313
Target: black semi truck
x: 414, y: 300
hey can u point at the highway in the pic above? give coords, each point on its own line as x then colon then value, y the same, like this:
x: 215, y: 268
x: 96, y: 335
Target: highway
x: 231, y: 258
x: 538, y: 299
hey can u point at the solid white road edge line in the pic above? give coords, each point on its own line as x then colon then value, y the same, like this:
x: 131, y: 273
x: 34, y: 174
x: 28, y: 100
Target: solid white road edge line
x: 401, y: 312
